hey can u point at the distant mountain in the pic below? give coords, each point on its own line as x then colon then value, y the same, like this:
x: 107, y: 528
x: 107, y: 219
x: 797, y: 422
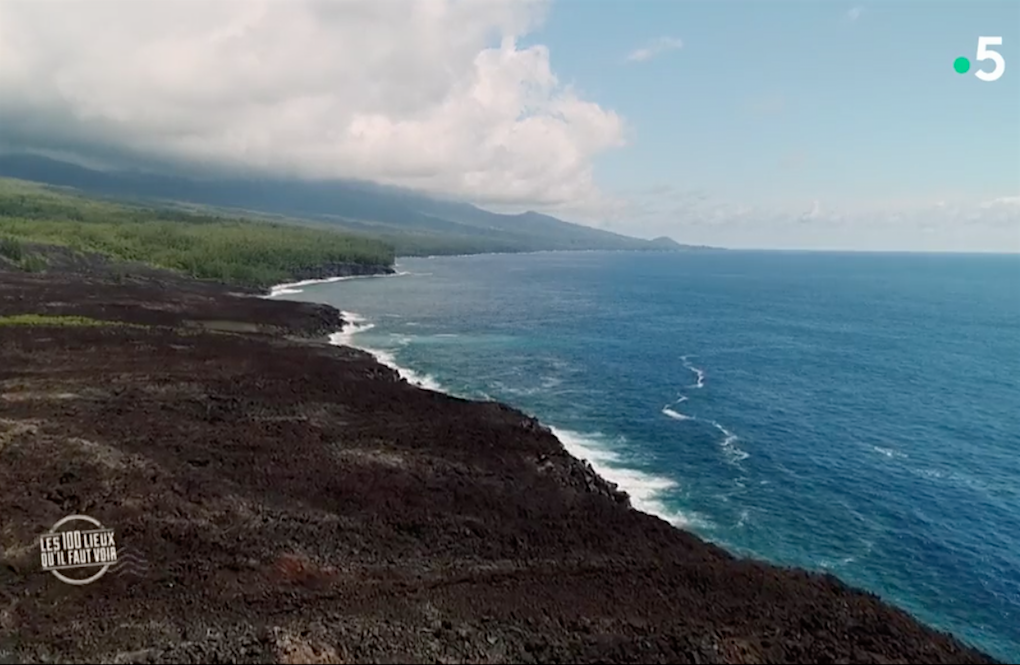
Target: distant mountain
x: 413, y: 222
x: 665, y: 243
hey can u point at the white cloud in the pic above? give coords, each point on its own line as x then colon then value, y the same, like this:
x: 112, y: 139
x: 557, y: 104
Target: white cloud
x: 814, y: 213
x: 855, y: 13
x: 432, y: 94
x: 654, y: 48
x: 945, y: 224
x: 1003, y: 201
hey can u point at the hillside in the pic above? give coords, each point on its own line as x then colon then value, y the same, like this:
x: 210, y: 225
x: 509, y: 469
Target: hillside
x: 413, y: 223
x: 37, y: 222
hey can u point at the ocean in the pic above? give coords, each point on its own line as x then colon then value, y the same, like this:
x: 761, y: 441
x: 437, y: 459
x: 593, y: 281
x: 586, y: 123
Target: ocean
x: 851, y: 413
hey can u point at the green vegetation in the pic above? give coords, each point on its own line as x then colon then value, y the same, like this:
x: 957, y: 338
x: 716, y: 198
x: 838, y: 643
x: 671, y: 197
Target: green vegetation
x: 14, y: 250
x: 46, y: 320
x: 11, y: 249
x: 33, y: 262
x: 234, y: 250
x: 447, y: 245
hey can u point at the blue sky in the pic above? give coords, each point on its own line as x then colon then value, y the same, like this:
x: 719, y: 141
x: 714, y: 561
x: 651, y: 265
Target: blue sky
x: 817, y: 124
x: 781, y: 104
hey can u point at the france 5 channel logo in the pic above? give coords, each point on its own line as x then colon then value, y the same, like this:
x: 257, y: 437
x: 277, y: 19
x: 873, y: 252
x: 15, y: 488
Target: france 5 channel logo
x: 985, y: 52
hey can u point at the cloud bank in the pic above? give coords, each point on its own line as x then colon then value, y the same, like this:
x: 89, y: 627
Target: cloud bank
x: 699, y: 216
x: 431, y: 94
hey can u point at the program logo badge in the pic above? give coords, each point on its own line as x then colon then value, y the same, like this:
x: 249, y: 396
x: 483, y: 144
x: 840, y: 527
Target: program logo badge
x: 64, y: 549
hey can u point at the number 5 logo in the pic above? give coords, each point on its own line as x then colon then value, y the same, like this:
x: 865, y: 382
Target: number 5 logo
x: 985, y: 53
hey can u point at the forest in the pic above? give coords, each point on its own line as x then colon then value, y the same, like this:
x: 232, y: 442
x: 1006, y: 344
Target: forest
x: 228, y: 249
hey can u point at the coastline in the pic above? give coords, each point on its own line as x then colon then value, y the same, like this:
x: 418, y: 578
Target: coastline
x: 297, y: 501
x: 640, y: 492
x: 290, y: 288
x: 570, y: 442
x: 352, y: 323
x: 686, y: 249
x: 640, y: 488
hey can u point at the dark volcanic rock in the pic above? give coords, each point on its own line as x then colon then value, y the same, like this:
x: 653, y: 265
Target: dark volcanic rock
x: 283, y: 500
x: 342, y: 270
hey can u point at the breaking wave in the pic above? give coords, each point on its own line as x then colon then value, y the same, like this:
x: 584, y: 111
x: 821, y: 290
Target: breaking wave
x: 297, y: 287
x: 646, y: 490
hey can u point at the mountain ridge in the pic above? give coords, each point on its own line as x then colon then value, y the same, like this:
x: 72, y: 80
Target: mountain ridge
x: 413, y: 222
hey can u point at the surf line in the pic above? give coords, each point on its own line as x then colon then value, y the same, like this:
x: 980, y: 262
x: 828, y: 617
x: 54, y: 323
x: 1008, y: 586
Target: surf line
x: 698, y: 372
x: 291, y: 288
x: 355, y: 324
x: 668, y: 410
x: 733, y: 454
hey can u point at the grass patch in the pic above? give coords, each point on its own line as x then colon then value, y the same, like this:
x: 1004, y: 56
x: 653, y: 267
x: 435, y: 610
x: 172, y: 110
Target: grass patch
x: 11, y: 249
x: 33, y: 263
x: 46, y: 320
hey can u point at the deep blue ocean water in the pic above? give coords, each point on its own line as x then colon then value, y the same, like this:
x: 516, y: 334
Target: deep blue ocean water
x: 857, y: 413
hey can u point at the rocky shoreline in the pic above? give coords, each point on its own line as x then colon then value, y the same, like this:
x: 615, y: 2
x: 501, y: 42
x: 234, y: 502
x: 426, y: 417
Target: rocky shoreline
x: 294, y: 501
x: 332, y: 270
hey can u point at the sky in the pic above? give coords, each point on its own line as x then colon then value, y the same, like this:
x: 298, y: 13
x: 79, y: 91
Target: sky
x: 815, y: 124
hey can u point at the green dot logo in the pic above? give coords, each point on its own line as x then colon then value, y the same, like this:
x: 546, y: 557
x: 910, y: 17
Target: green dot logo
x: 961, y: 65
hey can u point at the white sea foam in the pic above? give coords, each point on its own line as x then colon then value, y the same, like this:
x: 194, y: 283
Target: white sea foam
x: 352, y: 317
x: 297, y: 287
x: 838, y: 563
x: 675, y: 415
x: 415, y: 378
x: 355, y: 324
x: 698, y: 372
x: 402, y: 340
x: 343, y: 338
x: 668, y: 410
x: 645, y: 490
x: 888, y: 452
x: 549, y: 382
x: 733, y: 454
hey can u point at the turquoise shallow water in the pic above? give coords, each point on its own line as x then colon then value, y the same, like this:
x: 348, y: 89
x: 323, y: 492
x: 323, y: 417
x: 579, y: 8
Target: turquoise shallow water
x: 850, y: 412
